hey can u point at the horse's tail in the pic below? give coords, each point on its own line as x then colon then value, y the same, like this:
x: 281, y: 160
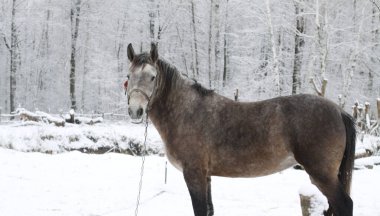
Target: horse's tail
x: 347, y: 164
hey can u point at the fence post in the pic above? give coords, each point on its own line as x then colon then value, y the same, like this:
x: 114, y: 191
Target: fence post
x: 166, y: 171
x: 236, y: 95
x: 378, y: 111
x: 72, y: 112
x: 366, y: 116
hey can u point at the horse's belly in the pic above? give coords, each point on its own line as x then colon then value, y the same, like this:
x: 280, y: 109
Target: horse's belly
x: 252, y: 168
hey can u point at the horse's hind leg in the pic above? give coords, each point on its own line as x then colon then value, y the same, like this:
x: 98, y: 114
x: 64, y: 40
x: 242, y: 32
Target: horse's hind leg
x: 340, y: 204
x: 196, y: 181
x: 210, y: 206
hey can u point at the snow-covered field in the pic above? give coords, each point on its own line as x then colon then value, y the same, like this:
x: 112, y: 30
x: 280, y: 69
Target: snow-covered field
x: 47, y: 138
x: 74, y: 183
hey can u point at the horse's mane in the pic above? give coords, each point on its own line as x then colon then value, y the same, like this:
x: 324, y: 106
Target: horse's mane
x: 201, y: 90
x: 170, y: 75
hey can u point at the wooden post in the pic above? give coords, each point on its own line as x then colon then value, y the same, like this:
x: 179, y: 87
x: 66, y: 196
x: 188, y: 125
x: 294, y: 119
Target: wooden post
x: 166, y: 171
x: 360, y: 115
x: 312, y: 201
x: 236, y: 95
x: 305, y: 205
x: 366, y: 116
x: 355, y: 112
x: 72, y: 112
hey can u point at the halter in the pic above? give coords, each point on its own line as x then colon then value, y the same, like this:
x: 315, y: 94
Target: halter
x: 148, y: 98
x: 141, y: 92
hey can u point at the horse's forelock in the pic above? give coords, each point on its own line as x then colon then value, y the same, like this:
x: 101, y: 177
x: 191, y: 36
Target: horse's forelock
x: 141, y: 60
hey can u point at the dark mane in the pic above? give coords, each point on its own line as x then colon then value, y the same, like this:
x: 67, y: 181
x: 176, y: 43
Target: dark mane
x: 202, y: 90
x: 169, y: 75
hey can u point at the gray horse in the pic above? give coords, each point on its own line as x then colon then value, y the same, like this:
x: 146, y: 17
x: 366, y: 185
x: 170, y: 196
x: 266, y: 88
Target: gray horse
x: 206, y: 134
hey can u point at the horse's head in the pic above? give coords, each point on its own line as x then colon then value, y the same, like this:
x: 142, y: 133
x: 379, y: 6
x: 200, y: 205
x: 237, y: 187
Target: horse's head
x: 141, y: 81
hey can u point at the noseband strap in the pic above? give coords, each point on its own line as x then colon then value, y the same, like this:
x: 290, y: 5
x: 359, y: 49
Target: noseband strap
x: 139, y: 91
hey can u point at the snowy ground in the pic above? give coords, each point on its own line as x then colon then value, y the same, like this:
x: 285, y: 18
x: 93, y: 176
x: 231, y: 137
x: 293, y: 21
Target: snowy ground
x: 73, y: 183
x: 47, y: 138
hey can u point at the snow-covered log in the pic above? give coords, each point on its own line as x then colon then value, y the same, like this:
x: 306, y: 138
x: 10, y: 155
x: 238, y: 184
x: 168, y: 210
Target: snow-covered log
x: 50, y: 119
x: 71, y: 118
x: 39, y: 116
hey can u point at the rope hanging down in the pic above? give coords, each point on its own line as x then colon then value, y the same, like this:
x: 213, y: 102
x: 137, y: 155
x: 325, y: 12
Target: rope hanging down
x: 142, y: 165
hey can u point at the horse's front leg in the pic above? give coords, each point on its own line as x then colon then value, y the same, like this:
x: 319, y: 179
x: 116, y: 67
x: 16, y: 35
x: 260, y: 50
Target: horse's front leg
x: 196, y: 180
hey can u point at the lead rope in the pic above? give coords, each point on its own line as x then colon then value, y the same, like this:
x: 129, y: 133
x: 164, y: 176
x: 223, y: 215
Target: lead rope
x: 144, y: 145
x: 142, y: 165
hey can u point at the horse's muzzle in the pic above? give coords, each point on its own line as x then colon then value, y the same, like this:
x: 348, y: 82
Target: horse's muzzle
x: 136, y: 113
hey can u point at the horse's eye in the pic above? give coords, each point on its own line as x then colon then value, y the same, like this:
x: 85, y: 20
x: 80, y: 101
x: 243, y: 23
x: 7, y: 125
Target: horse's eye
x: 153, y: 77
x: 127, y: 76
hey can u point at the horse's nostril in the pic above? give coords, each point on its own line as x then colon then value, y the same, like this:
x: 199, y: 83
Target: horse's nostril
x: 140, y: 112
x: 129, y: 112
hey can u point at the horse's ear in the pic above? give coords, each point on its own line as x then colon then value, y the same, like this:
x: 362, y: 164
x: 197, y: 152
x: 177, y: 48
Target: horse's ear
x: 153, y: 52
x: 131, y: 52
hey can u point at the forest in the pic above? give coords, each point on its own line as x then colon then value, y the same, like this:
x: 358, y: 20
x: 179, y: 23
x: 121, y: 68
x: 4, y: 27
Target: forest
x: 62, y: 54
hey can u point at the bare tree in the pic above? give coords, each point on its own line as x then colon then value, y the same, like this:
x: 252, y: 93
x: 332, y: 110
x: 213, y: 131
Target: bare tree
x: 225, y: 46
x: 195, y: 42
x: 210, y: 43
x: 75, y: 19
x: 276, y: 71
x: 298, y: 46
x: 14, y: 56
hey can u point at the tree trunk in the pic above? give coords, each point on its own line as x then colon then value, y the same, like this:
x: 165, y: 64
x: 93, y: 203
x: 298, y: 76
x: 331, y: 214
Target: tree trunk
x: 210, y: 41
x: 321, y: 17
x: 13, y: 58
x: 353, y: 59
x: 152, y: 17
x: 225, y: 54
x: 375, y: 41
x: 74, y: 16
x: 217, y: 44
x: 183, y: 50
x: 195, y: 42
x: 276, y: 71
x: 299, y: 43
x: 44, y: 55
x: 86, y: 66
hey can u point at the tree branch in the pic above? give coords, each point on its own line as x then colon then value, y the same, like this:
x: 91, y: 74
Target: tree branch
x: 374, y: 2
x: 319, y: 92
x: 6, y: 43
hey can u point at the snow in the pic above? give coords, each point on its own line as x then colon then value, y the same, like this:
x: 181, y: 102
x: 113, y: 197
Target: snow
x: 41, y: 137
x: 318, y: 200
x: 367, y: 142
x: 74, y: 183
x: 367, y: 162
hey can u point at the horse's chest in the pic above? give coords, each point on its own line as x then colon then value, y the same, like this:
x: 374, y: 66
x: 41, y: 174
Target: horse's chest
x: 174, y: 160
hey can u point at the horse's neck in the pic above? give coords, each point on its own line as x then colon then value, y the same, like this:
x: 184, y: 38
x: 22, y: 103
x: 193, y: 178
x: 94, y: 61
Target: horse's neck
x: 163, y: 107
